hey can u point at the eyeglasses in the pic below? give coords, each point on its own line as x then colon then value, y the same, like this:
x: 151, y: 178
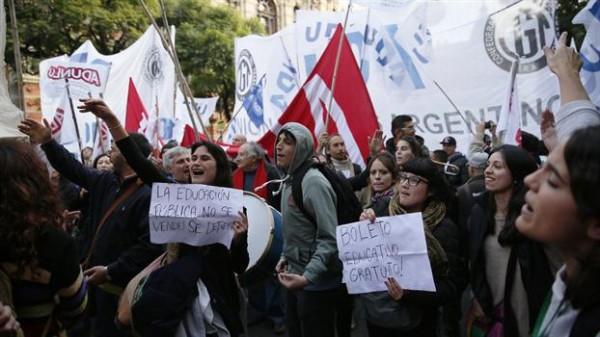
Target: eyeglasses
x: 412, y: 180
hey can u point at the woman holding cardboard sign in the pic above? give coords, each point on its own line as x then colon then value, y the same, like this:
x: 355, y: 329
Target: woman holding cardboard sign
x: 206, y: 273
x: 400, y: 312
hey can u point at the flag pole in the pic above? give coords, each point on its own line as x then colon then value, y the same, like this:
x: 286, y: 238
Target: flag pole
x: 337, y: 63
x: 170, y: 50
x: 362, y: 52
x: 188, y: 92
x: 74, y: 120
x: 17, y: 52
x: 454, y: 105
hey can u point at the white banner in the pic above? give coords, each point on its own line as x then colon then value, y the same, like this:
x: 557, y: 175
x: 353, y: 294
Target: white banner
x: 145, y: 61
x: 84, y: 79
x: 195, y: 214
x: 206, y: 106
x: 590, y: 49
x: 465, y: 47
x: 391, y: 247
x: 270, y: 61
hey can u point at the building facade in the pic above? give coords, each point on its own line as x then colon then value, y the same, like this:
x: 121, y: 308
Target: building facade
x: 278, y: 14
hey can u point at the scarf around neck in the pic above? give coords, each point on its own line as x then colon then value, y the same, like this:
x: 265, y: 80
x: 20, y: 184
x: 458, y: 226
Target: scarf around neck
x: 259, y: 179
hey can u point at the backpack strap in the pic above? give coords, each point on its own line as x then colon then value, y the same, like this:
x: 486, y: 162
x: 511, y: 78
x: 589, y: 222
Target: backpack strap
x: 130, y: 189
x: 297, y: 192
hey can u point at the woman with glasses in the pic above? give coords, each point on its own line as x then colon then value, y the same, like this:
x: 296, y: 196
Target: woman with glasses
x: 510, y: 275
x: 400, y: 312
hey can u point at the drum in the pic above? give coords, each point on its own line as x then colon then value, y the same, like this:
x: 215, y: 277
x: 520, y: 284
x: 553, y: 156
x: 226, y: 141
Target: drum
x: 265, y: 240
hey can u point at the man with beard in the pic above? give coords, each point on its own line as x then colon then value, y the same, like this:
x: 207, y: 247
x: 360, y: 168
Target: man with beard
x: 337, y: 155
x: 118, y: 210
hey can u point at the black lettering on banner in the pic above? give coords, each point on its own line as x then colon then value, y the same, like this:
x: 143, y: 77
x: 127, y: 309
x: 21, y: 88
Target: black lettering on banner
x: 195, y: 226
x: 163, y: 192
x: 167, y: 225
x: 190, y: 194
x: 451, y: 122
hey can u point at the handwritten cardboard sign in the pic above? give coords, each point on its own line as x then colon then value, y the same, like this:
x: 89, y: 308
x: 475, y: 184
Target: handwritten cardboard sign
x: 195, y: 214
x: 390, y: 247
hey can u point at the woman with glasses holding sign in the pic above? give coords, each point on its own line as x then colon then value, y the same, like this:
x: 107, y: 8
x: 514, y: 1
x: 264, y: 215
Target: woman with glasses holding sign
x: 510, y: 274
x: 400, y: 312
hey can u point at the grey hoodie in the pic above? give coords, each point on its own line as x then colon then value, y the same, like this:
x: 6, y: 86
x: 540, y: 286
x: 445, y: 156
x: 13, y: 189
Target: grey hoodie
x: 310, y: 249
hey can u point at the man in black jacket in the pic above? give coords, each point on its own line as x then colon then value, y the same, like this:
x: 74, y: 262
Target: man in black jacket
x: 118, y: 210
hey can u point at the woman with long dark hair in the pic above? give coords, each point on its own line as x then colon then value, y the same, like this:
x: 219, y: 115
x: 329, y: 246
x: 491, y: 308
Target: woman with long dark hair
x: 39, y: 258
x: 563, y: 209
x: 510, y: 274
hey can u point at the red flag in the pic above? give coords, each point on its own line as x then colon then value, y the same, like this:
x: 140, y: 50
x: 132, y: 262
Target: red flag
x: 352, y: 114
x: 189, y: 140
x: 136, y: 112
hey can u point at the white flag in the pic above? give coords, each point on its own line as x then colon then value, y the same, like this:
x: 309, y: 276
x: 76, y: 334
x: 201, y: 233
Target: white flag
x: 590, y: 49
x: 509, y: 124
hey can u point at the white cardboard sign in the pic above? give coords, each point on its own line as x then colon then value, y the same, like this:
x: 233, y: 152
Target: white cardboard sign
x: 195, y: 214
x: 390, y: 247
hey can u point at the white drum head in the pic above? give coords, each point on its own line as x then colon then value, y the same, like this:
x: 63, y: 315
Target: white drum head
x: 260, y: 227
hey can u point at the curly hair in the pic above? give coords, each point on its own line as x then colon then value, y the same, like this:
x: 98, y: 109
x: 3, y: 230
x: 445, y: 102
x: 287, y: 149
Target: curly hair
x: 28, y: 203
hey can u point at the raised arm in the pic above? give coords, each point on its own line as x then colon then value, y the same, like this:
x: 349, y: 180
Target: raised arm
x: 143, y: 166
x: 576, y: 111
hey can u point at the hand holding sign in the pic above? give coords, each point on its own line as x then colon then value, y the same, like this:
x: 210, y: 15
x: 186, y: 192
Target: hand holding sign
x: 240, y: 228
x: 381, y: 255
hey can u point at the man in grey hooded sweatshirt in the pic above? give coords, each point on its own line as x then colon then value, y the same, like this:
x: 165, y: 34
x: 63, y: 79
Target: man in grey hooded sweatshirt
x: 309, y: 267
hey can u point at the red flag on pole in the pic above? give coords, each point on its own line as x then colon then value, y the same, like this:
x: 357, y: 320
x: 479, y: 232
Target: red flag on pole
x: 352, y: 114
x: 136, y: 112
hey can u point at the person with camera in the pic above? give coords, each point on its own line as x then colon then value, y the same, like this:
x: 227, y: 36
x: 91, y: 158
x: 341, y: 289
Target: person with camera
x: 481, y: 142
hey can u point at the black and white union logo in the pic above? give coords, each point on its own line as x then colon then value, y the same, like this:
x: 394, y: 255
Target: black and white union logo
x: 523, y: 30
x: 153, y: 66
x: 246, y: 74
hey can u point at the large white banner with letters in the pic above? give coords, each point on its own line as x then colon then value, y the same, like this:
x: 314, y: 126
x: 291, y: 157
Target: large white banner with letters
x: 145, y: 61
x: 465, y: 47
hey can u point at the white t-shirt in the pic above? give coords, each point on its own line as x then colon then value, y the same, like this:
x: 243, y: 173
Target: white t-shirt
x: 560, y: 316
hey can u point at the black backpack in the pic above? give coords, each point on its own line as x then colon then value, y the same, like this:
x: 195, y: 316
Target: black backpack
x: 348, y: 207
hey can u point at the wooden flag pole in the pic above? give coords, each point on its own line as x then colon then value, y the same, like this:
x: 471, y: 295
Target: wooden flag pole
x: 74, y: 120
x: 17, y: 52
x: 187, y: 91
x: 337, y: 63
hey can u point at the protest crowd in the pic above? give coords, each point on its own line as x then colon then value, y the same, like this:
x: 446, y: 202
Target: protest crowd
x: 501, y: 241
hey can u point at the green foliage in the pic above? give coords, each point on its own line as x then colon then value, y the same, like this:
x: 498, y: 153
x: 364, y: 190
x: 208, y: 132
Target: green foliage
x: 205, y: 45
x: 56, y: 27
x: 204, y: 35
x: 565, y: 11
